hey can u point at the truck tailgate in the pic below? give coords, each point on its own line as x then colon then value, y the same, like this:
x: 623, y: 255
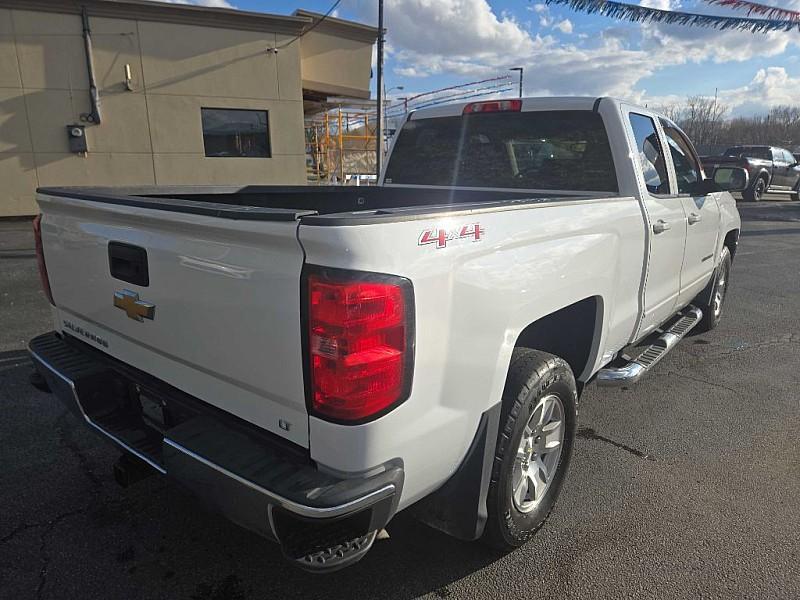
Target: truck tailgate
x: 223, y: 294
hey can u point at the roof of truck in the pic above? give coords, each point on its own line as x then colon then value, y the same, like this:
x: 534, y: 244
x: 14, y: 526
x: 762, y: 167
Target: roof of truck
x: 528, y: 103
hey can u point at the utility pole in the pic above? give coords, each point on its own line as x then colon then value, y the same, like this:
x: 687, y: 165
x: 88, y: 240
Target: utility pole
x: 521, y: 70
x: 714, y: 117
x: 379, y: 126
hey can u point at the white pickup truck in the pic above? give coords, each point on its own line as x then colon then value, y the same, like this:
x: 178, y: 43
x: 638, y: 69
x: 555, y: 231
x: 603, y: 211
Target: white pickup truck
x: 312, y: 360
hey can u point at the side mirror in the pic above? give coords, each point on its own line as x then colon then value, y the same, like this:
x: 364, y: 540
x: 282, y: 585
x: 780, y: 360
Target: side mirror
x: 731, y: 179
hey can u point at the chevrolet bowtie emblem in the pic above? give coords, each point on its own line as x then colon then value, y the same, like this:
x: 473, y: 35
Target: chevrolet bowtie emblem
x: 133, y: 307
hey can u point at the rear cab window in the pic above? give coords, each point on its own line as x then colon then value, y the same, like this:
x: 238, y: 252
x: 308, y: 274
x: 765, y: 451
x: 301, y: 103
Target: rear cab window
x: 536, y: 150
x: 749, y: 152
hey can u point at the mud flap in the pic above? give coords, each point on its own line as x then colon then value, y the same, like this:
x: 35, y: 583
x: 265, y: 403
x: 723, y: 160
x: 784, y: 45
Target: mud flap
x: 458, y: 508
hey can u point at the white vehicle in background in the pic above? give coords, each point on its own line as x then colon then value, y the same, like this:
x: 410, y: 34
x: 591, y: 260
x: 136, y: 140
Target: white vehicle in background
x: 312, y: 360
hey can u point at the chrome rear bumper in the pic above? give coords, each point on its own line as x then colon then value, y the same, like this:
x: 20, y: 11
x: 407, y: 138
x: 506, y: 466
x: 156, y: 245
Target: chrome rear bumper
x: 265, y: 484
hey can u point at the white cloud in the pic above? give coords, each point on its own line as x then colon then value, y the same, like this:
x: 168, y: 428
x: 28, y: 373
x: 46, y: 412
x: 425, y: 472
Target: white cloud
x: 468, y: 39
x: 449, y: 27
x: 769, y: 87
x: 659, y: 4
x: 697, y: 44
x: 564, y: 26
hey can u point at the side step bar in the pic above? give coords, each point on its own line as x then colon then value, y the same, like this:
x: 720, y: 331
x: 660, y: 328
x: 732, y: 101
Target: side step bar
x: 633, y: 371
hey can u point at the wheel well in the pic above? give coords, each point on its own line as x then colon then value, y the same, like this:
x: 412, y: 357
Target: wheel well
x: 732, y: 241
x: 568, y: 333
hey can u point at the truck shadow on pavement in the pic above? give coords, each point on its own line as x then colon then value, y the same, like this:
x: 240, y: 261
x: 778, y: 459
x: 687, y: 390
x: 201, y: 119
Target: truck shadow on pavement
x: 416, y: 560
x: 154, y: 540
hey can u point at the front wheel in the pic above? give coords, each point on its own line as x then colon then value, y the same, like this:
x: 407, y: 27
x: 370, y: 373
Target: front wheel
x: 537, y: 432
x: 713, y: 298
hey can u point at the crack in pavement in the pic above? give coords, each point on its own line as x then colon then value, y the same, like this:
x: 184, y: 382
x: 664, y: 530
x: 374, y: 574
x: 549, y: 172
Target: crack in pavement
x: 99, y: 497
x: 65, y: 439
x: 49, y: 527
x: 699, y: 380
x: 44, y: 557
x: 788, y: 338
x: 587, y: 433
x: 19, y: 529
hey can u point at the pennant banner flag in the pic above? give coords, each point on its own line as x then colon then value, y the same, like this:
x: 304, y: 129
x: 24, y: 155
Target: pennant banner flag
x: 754, y: 8
x: 645, y: 14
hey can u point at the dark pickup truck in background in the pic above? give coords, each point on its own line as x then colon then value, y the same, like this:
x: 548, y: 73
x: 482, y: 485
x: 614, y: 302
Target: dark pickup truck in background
x: 771, y: 169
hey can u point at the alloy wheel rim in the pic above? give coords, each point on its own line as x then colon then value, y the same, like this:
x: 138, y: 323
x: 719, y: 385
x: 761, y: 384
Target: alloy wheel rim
x: 538, y: 454
x: 719, y: 293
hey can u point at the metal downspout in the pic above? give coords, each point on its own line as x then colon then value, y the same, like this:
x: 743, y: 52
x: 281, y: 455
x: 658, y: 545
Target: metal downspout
x: 94, y: 94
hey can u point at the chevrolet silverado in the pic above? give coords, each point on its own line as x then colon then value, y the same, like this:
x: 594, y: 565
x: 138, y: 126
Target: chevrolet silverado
x: 311, y: 360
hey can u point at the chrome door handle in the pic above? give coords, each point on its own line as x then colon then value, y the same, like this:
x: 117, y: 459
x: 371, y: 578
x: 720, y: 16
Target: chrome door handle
x: 694, y: 218
x: 661, y: 226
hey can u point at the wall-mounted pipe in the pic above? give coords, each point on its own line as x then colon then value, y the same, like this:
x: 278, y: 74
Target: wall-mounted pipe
x: 128, y: 78
x: 94, y: 94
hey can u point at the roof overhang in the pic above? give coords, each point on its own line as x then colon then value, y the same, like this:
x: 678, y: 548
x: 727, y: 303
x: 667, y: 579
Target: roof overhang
x: 172, y: 13
x: 340, y: 27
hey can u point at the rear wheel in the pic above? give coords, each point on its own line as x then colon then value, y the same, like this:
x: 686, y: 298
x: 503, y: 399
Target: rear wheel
x: 537, y: 431
x: 756, y: 191
x: 712, y: 300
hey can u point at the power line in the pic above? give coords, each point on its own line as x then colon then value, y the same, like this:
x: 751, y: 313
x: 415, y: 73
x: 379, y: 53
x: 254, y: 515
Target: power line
x: 444, y: 89
x: 308, y: 30
x: 452, y: 99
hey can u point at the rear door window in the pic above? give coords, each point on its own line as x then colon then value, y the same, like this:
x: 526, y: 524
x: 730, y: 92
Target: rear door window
x: 651, y: 155
x: 547, y: 150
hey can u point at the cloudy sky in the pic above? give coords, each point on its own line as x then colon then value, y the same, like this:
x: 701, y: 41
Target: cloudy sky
x: 434, y: 43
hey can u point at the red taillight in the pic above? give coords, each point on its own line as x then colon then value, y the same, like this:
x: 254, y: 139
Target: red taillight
x: 37, y: 236
x: 360, y: 343
x: 493, y: 106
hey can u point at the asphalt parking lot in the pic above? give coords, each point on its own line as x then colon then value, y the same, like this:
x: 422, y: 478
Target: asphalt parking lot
x: 684, y: 486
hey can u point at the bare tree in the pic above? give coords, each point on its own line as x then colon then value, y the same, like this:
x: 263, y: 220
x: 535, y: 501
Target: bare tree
x: 704, y: 120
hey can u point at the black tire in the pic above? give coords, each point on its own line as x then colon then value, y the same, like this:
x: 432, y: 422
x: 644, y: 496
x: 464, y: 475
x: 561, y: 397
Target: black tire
x: 707, y: 300
x: 756, y: 191
x: 795, y: 195
x: 532, y: 377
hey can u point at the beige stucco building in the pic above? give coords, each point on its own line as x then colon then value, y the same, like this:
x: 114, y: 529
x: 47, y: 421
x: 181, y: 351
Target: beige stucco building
x: 187, y: 95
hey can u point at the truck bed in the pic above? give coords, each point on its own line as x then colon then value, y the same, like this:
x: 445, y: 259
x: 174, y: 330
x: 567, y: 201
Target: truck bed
x: 289, y: 203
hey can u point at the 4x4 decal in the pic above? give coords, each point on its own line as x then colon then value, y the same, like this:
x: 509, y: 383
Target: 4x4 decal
x: 441, y: 236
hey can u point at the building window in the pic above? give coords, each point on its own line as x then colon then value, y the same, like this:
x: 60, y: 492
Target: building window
x: 231, y: 132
